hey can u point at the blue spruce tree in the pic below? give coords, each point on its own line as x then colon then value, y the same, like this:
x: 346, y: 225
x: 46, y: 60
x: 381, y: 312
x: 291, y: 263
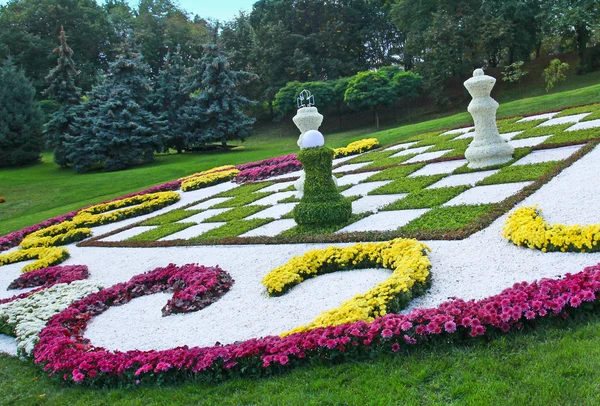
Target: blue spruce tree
x: 168, y: 98
x: 62, y: 89
x: 116, y: 131
x: 21, y: 118
x: 215, y: 110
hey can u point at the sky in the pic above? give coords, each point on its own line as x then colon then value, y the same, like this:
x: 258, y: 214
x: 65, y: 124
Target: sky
x: 219, y: 9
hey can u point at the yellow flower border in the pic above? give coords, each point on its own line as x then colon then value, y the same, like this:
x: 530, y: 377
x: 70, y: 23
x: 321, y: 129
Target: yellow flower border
x: 142, y: 204
x: 407, y: 258
x: 357, y: 147
x: 527, y: 227
x: 212, y: 170
x: 58, y: 234
x: 46, y: 256
x: 208, y: 179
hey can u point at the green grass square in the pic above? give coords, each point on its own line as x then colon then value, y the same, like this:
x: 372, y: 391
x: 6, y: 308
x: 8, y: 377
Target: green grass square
x: 519, y: 173
x: 241, y: 200
x: 232, y: 229
x: 426, y: 198
x: 590, y: 108
x: 394, y: 173
x: 236, y: 213
x: 570, y: 136
x: 406, y: 185
x: 448, y: 218
x: 170, y: 217
x: 541, y: 131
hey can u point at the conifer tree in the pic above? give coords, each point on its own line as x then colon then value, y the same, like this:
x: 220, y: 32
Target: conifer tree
x: 116, y: 131
x: 62, y: 89
x: 214, y: 112
x: 168, y: 98
x: 21, y: 118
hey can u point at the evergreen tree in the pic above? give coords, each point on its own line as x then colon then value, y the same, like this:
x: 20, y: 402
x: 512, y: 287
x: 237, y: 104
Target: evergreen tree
x: 116, y: 131
x: 168, y: 98
x: 62, y: 89
x: 214, y: 112
x: 21, y: 118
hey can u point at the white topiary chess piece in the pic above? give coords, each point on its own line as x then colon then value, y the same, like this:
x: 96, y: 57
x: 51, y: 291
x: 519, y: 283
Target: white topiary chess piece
x: 488, y: 147
x: 308, y: 120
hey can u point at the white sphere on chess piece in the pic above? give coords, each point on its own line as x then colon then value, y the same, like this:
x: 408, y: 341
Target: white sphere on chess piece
x: 312, y: 139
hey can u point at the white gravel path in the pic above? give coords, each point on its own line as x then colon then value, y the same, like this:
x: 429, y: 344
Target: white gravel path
x: 546, y: 155
x: 427, y: 156
x: 476, y: 267
x: 564, y: 120
x: 462, y: 179
x: 545, y: 116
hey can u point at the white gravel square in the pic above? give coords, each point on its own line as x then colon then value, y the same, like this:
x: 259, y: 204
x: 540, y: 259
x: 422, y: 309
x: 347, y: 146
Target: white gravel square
x: 385, y: 220
x: 193, y: 231
x: 209, y: 203
x: 271, y: 229
x: 546, y: 155
x: 200, y: 217
x: 273, y: 199
x: 487, y: 194
x: 586, y: 125
x: 439, y: 168
x: 363, y: 189
x: 464, y: 136
x: 401, y: 146
x: 528, y: 142
x: 510, y: 136
x: 274, y: 212
x: 201, y: 194
x: 123, y: 235
x: 294, y: 174
x: 351, y: 167
x: 356, y: 178
x: 458, y: 131
x: 411, y: 151
x: 338, y: 161
x: 545, y: 116
x: 277, y: 187
x: 462, y: 179
x: 427, y: 156
x: 564, y: 120
x: 374, y: 203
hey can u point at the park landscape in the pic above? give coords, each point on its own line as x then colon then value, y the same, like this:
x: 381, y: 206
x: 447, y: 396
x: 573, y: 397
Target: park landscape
x: 431, y: 255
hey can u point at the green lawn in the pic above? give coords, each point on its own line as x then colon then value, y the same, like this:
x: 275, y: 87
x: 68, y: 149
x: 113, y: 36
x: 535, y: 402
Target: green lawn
x: 554, y: 364
x: 41, y: 191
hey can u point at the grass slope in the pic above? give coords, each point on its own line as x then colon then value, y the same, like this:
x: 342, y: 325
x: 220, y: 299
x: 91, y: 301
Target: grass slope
x: 554, y: 364
x: 41, y: 191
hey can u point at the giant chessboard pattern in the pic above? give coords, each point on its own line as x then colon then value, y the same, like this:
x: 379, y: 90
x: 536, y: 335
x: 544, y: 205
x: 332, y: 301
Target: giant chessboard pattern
x: 387, y: 186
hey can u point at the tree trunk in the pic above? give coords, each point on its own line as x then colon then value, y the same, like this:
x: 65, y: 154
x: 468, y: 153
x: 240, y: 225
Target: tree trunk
x: 582, y: 40
x: 271, y: 112
x: 376, y: 119
x: 340, y: 118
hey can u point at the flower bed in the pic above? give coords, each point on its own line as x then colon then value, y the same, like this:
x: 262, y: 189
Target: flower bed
x: 58, y: 234
x: 406, y: 258
x: 63, y: 351
x: 266, y: 168
x: 120, y: 209
x: 25, y: 318
x: 526, y: 227
x: 46, y: 256
x: 357, y: 147
x: 15, y: 238
x: 45, y: 278
x: 208, y: 179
